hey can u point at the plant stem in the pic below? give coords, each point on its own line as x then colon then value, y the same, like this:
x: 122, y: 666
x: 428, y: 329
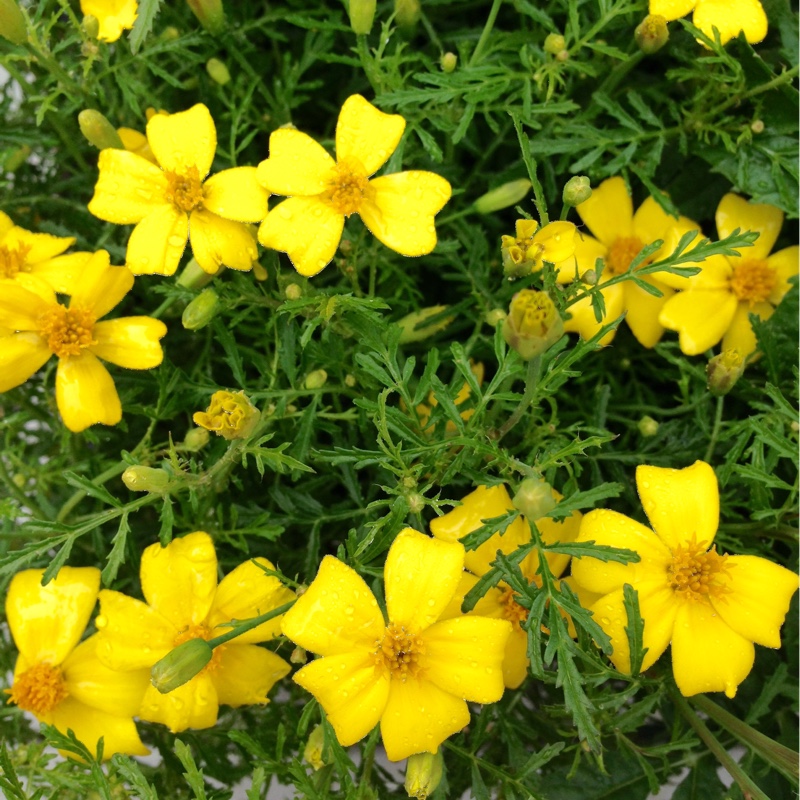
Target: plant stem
x: 531, y: 381
x: 715, y: 430
x: 247, y: 625
x: 487, y: 29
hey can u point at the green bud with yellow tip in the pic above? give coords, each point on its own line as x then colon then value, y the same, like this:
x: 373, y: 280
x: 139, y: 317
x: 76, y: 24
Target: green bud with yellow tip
x: 316, y: 379
x: 362, y: 13
x: 509, y: 194
x: 406, y: 12
x: 201, y: 310
x: 146, y: 479
x: 533, y: 323
x: 98, y: 130
x: 217, y: 71
x: 647, y: 427
x: 651, y: 34
x: 196, y: 439
x: 12, y: 23
x: 210, y: 13
x: 448, y: 62
x: 723, y: 371
x: 180, y: 665
x: 534, y: 498
x: 423, y: 774
x: 577, y: 190
x: 90, y: 26
x: 554, y: 43
x: 312, y: 753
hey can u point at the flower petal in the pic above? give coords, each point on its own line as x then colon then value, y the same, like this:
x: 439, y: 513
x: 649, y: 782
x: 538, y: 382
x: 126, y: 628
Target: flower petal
x: 21, y: 355
x: 85, y: 393
x: 351, y: 689
x: 101, y: 287
x: 297, y: 166
x: 131, y: 342
x: 246, y: 673
x: 48, y: 621
x: 707, y: 654
x: 464, y: 656
x: 40, y: 246
x: 112, y: 16
x: 587, y: 251
x: 421, y: 576
x: 128, y: 187
x: 735, y: 212
x: 400, y: 212
x: 558, y: 240
x: 671, y: 9
x: 642, y: 310
x: 701, y: 317
x: 20, y: 306
x: 220, y: 242
x: 236, y: 194
x: 179, y: 580
x: 62, y: 272
x: 193, y: 705
x: 317, y: 621
x: 419, y: 716
x: 306, y: 229
x: 183, y: 140
x: 740, y: 335
x: 730, y: 17
x: 515, y: 661
x: 583, y: 320
x: 786, y: 263
x: 6, y: 224
x: 157, y: 243
x: 608, y: 213
x: 365, y: 133
x: 651, y: 221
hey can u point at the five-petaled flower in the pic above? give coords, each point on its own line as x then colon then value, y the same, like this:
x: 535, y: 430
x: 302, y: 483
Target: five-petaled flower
x: 38, y: 326
x: 61, y: 681
x: 114, y: 16
x: 398, y: 209
x: 710, y: 607
x: 174, y: 201
x: 413, y: 674
x: 183, y: 602
x: 727, y: 16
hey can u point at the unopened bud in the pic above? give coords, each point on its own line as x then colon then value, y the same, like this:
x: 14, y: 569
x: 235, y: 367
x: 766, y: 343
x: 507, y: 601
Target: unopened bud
x: 146, y: 479
x: 350, y: 380
x: 723, y: 371
x: 196, y: 439
x: 362, y: 13
x: 169, y: 34
x: 12, y: 23
x: 259, y: 273
x: 312, y: 753
x: 448, y: 62
x: 562, y: 55
x: 406, y: 12
x: 577, y: 190
x: 292, y: 291
x: 509, y: 194
x: 217, y: 71
x: 651, y: 34
x: 98, y: 130
x: 554, y: 43
x: 180, y: 665
x: 298, y: 656
x: 316, y: 379
x: 91, y: 26
x: 423, y: 774
x: 195, y: 277
x: 534, y: 498
x: 230, y: 415
x: 589, y: 277
x: 494, y: 317
x: 533, y: 323
x: 647, y: 427
x: 201, y: 310
x: 414, y: 326
x: 210, y: 13
x: 757, y: 126
x: 416, y: 503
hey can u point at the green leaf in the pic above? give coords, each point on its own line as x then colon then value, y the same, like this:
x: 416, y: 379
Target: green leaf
x: 635, y: 628
x: 99, y: 492
x: 587, y: 499
x: 117, y: 555
x: 145, y: 16
x: 476, y: 538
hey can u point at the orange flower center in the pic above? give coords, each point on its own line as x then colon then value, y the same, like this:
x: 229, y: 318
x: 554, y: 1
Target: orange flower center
x: 67, y: 330
x: 39, y: 689
x: 622, y: 252
x: 399, y: 651
x: 201, y: 631
x: 695, y: 572
x: 347, y: 187
x: 13, y: 262
x: 185, y: 191
x: 753, y: 281
x: 512, y: 610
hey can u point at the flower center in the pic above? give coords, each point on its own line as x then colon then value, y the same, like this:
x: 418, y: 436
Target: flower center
x: 39, y: 689
x: 400, y: 651
x: 622, y: 252
x: 347, y: 187
x: 67, y: 330
x: 13, y: 261
x: 753, y: 281
x: 693, y: 573
x: 185, y: 191
x: 201, y: 631
x: 512, y: 610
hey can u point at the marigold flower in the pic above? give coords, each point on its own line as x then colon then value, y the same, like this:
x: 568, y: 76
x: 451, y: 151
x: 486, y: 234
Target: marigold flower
x: 183, y: 602
x: 531, y: 246
x: 533, y: 323
x: 173, y: 201
x: 42, y: 327
x: 710, y: 607
x: 398, y: 209
x: 230, y: 415
x: 60, y: 681
x: 621, y: 234
x: 114, y: 16
x: 718, y: 301
x: 487, y: 502
x: 729, y: 17
x: 414, y: 674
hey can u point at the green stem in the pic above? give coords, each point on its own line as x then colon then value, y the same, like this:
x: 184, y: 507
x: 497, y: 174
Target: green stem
x: 715, y: 430
x: 486, y: 32
x: 531, y: 382
x: 247, y: 625
x: 368, y: 63
x: 530, y: 163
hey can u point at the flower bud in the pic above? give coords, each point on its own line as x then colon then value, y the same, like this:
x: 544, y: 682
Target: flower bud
x: 298, y: 656
x: 180, y: 665
x: 90, y: 26
x: 534, y: 498
x: 448, y: 62
x: 589, y: 277
x: 423, y: 774
x: 757, y: 126
x: 509, y: 194
x: 562, y: 55
x: 12, y: 23
x: 554, y: 43
x: 406, y: 12
x: 413, y: 327
x: 316, y: 379
x: 525, y: 252
x: 350, y: 380
x: 723, y: 371
x: 362, y: 12
x: 210, y: 13
x: 312, y: 752
x: 647, y: 427
x: 651, y: 34
x: 533, y: 323
x: 169, y: 34
x: 201, y: 310
x: 217, y: 71
x: 230, y: 415
x: 195, y: 277
x: 146, y: 479
x: 576, y: 190
x: 259, y: 273
x: 196, y: 439
x: 292, y: 292
x: 98, y: 130
x: 494, y: 317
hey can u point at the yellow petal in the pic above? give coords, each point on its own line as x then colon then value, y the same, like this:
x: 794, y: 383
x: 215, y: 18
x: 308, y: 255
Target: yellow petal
x: 6, y: 224
x: 128, y: 187
x: 419, y: 716
x: 616, y: 530
x: 735, y: 212
x: 707, y: 654
x: 179, y: 580
x: 515, y: 662
x: 608, y: 213
x: 400, y: 213
x: 365, y: 133
x: 583, y: 320
x: 337, y: 614
x: 558, y: 240
x: 701, y: 318
x: 757, y: 598
x: 246, y: 674
x: 113, y: 16
x: 157, y: 243
x: 136, y: 142
x: 48, y: 621
x: 131, y: 342
x: 40, y: 246
x: 642, y: 310
x: 740, y: 335
x: 421, y: 576
x: 85, y: 393
x: 297, y: 165
x: 220, y: 242
x: 489, y: 605
x: 183, y: 140
x: 714, y: 271
x: 20, y: 307
x: 100, y: 286
x: 730, y: 17
x: 246, y: 592
x: 587, y: 251
x: 681, y: 504
x: 21, y: 355
x: 306, y: 229
x: 193, y: 705
x: 650, y: 221
x: 62, y: 272
x: 671, y: 9
x: 236, y: 194
x: 786, y: 263
x: 456, y: 662
x: 351, y: 689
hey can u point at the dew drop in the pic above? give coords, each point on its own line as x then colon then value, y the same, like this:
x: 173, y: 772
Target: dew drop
x: 101, y: 621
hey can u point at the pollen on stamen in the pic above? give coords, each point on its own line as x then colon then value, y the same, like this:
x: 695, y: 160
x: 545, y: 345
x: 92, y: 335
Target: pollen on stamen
x: 348, y: 186
x: 697, y: 574
x: 621, y: 254
x: 753, y: 281
x: 39, y: 689
x: 68, y: 331
x: 400, y: 651
x: 202, y: 632
x: 512, y: 610
x: 185, y: 190
x: 14, y: 260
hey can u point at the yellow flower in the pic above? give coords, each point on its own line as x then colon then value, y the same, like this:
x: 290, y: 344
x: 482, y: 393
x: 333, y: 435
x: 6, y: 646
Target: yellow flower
x: 621, y: 234
x: 532, y: 324
x: 173, y: 201
x: 727, y: 16
x: 531, y: 246
x: 41, y: 327
x: 485, y: 503
x: 230, y: 415
x: 414, y: 674
x: 710, y: 607
x: 60, y: 681
x: 398, y: 209
x: 113, y: 16
x: 183, y: 601
x: 718, y: 301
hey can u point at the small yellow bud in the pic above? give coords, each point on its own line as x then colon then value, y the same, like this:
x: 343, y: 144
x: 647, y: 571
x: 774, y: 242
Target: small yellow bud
x: 259, y: 273
x: 562, y: 55
x: 146, y: 479
x: 534, y: 498
x: 316, y: 379
x: 577, y: 190
x: 350, y: 380
x: 554, y: 43
x: 169, y: 34
x: 406, y: 12
x: 533, y: 323
x: 362, y: 13
x: 19, y: 480
x: 509, y: 194
x: 210, y: 13
x: 494, y: 317
x: 91, y: 26
x: 12, y: 23
x: 312, y: 753
x: 293, y: 291
x: 196, y: 439
x: 180, y: 665
x: 448, y: 62
x: 423, y: 774
x: 651, y: 34
x: 413, y: 327
x: 298, y: 656
x: 757, y: 126
x: 647, y: 427
x: 195, y: 277
x: 98, y: 130
x: 230, y: 415
x: 723, y: 371
x: 217, y: 71
x: 200, y: 311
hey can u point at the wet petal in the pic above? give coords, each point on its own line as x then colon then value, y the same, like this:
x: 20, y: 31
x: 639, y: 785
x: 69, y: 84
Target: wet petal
x: 20, y: 306
x: 701, y: 318
x: 157, y: 243
x: 62, y: 272
x: 236, y: 194
x: 587, y: 251
x: 740, y: 335
x: 85, y: 393
x: 515, y: 662
x: 246, y: 674
x: 6, y: 224
x: 609, y: 211
x: 366, y: 133
x: 583, y: 320
x: 651, y: 221
x: 786, y: 263
x: 21, y: 355
x: 730, y: 17
x: 193, y: 705
x: 101, y: 287
x: 131, y: 342
x: 671, y: 9
x: 112, y: 16
x: 40, y: 246
x: 297, y: 166
x: 558, y: 240
x: 183, y: 140
x: 642, y: 310
x: 735, y: 212
x: 217, y: 241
